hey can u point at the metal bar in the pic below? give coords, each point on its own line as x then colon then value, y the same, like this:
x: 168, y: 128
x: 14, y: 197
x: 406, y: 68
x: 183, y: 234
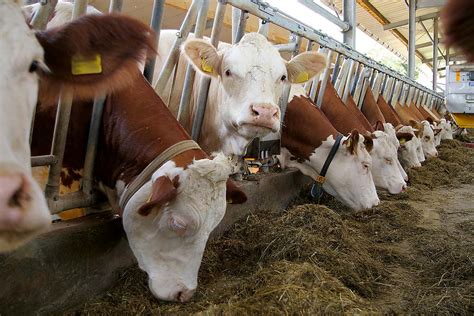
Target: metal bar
x: 289, y: 47
x: 116, y: 6
x: 387, y: 88
x: 420, y: 18
x: 264, y: 28
x: 360, y: 85
x: 429, y: 44
x: 44, y: 160
x: 411, y: 39
x: 432, y: 40
x: 79, y: 8
x: 155, y: 24
x: 183, y: 110
x: 349, y: 12
x: 44, y: 14
x: 396, y: 93
x: 315, y: 81
x: 283, y: 102
x: 236, y: 13
x: 358, y: 73
x: 342, y: 76
x: 201, y: 101
x: 73, y: 200
x: 430, y: 3
x: 347, y: 86
x: 309, y: 47
x: 435, y: 53
x: 336, y: 68
x: 411, y: 93
x: 173, y: 55
x: 377, y: 85
x: 365, y: 86
x: 344, y: 25
x: 324, y: 81
x: 264, y: 11
x: 241, y: 28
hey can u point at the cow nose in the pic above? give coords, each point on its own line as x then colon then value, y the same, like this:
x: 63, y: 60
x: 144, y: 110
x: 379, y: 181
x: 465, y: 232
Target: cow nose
x: 12, y: 194
x: 264, y: 114
x: 185, y: 295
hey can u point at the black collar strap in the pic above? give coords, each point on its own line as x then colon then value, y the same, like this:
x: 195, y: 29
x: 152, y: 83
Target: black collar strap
x: 317, y: 189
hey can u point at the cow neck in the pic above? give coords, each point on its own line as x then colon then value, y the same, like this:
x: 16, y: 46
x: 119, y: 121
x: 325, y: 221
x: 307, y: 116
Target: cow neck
x: 371, y: 110
x: 344, y: 118
x: 388, y: 112
x: 305, y: 127
x: 137, y: 127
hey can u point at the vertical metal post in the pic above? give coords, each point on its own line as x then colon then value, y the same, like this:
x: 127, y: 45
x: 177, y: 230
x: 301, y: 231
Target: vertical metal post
x: 435, y: 54
x: 336, y: 68
x: 347, y: 86
x: 324, y: 81
x: 264, y: 28
x: 80, y: 8
x: 358, y: 73
x: 116, y: 5
x: 183, y: 110
x: 341, y: 77
x: 349, y: 13
x: 315, y: 81
x: 173, y: 56
x: 44, y: 14
x: 283, y: 102
x: 387, y: 87
x: 411, y: 38
x: 307, y: 85
x: 240, y: 30
x: 365, y: 86
x: 155, y: 24
x: 236, y: 13
x: 201, y: 101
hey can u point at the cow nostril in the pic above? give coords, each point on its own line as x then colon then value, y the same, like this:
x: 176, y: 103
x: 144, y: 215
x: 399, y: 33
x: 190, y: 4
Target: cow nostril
x: 254, y: 112
x: 179, y: 296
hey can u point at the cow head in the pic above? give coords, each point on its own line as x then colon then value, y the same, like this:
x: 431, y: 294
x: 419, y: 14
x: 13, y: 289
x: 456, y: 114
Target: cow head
x: 408, y: 150
x: 385, y: 165
x: 23, y: 210
x: 251, y: 77
x: 446, y: 129
x: 426, y: 136
x: 168, y: 222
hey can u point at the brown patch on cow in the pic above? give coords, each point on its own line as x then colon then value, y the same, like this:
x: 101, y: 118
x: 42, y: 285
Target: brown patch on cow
x: 369, y: 142
x: 459, y: 25
x: 344, y: 117
x: 417, y: 126
x: 68, y: 178
x: 388, y: 112
x: 352, y: 141
x: 430, y: 120
x: 305, y: 127
x: 119, y: 40
x: 370, y: 109
x: 164, y: 190
x: 406, y: 136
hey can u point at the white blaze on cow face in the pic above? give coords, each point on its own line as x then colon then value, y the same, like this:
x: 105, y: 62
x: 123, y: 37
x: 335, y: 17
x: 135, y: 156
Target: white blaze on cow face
x: 251, y: 77
x: 348, y: 178
x: 169, y: 242
x: 23, y: 210
x: 385, y: 164
x: 427, y: 139
x: 409, y: 147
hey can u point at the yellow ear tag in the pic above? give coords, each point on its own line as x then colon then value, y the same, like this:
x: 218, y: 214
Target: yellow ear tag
x: 402, y: 141
x: 205, y: 66
x: 86, y: 66
x: 302, y: 77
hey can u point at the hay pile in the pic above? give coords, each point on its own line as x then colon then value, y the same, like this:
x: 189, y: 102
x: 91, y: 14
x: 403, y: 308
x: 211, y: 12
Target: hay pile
x: 312, y: 259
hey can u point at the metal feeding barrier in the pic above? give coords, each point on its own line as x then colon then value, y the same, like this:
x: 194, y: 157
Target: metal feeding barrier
x: 352, y: 73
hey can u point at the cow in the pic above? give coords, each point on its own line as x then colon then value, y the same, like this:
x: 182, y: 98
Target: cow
x: 169, y: 218
x: 446, y: 130
x: 32, y: 61
x: 307, y: 138
x: 425, y: 134
x: 408, y: 152
x: 386, y: 169
x: 247, y: 80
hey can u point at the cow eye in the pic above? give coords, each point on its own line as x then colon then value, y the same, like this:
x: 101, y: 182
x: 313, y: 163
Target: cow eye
x: 227, y: 73
x: 283, y: 78
x: 33, y: 66
x: 388, y: 160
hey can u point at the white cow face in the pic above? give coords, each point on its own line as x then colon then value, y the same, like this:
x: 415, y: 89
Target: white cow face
x: 23, y: 210
x: 348, y: 178
x: 409, y: 147
x: 385, y: 165
x: 392, y: 134
x: 427, y: 139
x: 446, y: 129
x: 168, y: 234
x: 251, y: 75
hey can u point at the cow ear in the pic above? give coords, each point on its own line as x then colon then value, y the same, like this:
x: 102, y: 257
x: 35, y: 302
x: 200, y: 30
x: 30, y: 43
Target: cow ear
x: 369, y: 141
x: 305, y: 66
x: 93, y: 54
x: 203, y: 56
x: 379, y: 126
x: 404, y: 137
x: 234, y: 194
x: 352, y: 141
x: 163, y: 190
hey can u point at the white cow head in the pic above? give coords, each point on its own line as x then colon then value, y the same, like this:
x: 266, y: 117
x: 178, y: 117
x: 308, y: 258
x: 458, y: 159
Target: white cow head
x: 427, y: 139
x: 251, y: 77
x: 446, y: 129
x: 348, y: 178
x: 23, y: 210
x: 168, y: 234
x: 385, y: 165
x: 408, y: 150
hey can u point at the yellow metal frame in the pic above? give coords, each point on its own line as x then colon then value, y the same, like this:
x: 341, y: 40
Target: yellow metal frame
x: 464, y: 120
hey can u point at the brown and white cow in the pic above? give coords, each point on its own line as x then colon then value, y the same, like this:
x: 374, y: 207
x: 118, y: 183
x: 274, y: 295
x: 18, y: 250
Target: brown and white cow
x: 24, y: 58
x: 386, y: 170
x: 307, y: 138
x: 169, y: 219
x: 247, y: 80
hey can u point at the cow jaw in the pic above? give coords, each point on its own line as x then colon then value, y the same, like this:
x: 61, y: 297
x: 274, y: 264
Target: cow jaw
x: 169, y: 242
x: 20, y: 54
x: 385, y: 165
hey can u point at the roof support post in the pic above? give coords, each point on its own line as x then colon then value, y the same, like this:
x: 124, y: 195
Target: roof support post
x: 435, y: 53
x: 411, y: 39
x: 349, y: 12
